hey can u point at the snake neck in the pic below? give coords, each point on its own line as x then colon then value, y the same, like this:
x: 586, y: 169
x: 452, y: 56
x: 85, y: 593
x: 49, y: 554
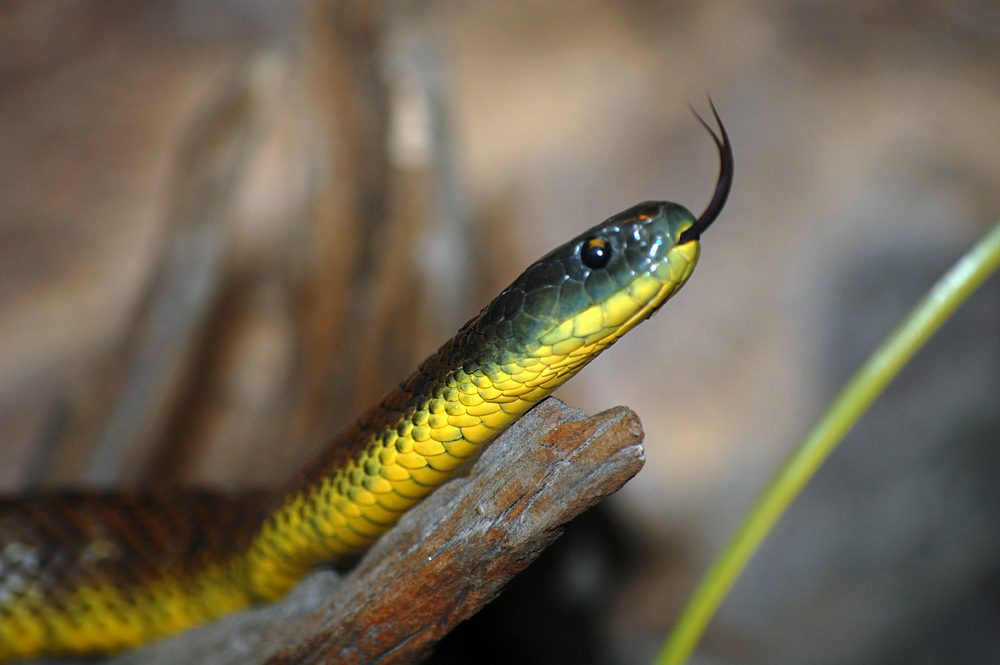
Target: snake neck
x: 458, y: 400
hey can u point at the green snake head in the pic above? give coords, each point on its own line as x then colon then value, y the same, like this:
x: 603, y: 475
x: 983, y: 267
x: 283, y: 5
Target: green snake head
x: 584, y: 295
x: 587, y: 293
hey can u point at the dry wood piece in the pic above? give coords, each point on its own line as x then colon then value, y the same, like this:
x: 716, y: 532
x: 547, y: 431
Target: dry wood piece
x: 445, y: 560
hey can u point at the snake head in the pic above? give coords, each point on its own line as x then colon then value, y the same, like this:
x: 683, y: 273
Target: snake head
x: 584, y: 295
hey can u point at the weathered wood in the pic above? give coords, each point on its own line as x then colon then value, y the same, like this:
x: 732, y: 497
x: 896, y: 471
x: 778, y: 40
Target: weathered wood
x: 445, y: 560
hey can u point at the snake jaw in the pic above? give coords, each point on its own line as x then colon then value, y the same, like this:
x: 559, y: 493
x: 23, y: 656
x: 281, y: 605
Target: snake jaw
x: 680, y: 264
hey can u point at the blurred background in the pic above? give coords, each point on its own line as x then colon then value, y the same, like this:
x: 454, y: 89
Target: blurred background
x: 226, y: 226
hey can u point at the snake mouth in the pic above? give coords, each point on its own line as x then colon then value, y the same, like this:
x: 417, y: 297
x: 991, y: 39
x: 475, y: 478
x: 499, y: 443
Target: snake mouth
x: 680, y: 270
x: 653, y: 307
x: 648, y: 310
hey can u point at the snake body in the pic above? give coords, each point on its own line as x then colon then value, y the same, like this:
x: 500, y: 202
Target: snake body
x: 84, y: 573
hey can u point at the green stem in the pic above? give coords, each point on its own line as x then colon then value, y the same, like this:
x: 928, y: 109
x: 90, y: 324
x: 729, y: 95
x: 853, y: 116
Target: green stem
x: 855, y: 398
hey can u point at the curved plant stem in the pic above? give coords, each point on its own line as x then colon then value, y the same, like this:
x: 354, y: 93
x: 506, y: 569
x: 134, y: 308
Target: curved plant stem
x: 854, y: 399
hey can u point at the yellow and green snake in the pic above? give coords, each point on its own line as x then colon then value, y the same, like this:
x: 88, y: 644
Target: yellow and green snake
x: 85, y: 573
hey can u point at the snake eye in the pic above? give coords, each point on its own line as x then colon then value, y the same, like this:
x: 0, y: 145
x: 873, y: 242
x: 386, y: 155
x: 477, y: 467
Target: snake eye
x: 595, y: 253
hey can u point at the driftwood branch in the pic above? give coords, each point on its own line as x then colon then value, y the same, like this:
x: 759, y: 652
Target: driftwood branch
x: 445, y: 560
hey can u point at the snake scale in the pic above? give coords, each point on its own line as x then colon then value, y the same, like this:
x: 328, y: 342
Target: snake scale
x: 86, y: 572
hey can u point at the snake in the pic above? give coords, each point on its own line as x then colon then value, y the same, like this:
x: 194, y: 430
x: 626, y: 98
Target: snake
x: 90, y: 572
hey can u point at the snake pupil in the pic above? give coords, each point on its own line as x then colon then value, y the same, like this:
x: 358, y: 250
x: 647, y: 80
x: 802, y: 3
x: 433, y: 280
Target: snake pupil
x: 595, y: 253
